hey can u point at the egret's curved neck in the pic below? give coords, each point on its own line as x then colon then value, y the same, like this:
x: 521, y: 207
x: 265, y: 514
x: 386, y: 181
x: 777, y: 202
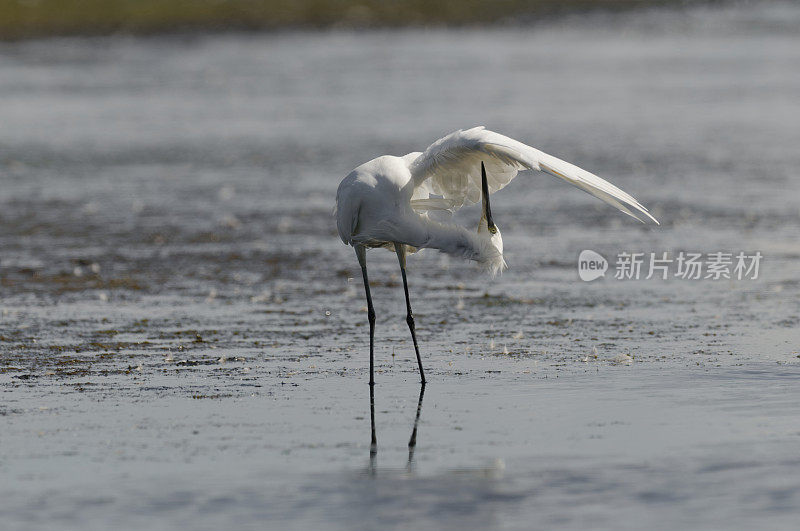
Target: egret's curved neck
x: 458, y: 241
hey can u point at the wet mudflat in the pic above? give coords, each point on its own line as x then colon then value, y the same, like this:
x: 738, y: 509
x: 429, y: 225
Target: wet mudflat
x: 184, y: 338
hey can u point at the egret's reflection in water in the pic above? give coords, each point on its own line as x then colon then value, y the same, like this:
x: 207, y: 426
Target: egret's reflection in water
x: 412, y: 441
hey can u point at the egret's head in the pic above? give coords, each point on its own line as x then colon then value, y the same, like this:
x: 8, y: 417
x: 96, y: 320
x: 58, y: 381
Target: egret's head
x: 486, y: 226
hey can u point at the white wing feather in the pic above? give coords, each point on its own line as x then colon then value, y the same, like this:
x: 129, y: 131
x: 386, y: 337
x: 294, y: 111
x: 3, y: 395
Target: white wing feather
x: 432, y: 203
x: 450, y: 168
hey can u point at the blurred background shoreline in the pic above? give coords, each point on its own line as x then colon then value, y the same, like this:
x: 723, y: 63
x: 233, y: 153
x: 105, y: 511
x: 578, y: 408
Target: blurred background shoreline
x: 23, y: 19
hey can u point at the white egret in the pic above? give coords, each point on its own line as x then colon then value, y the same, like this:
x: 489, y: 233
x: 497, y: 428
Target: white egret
x: 385, y: 203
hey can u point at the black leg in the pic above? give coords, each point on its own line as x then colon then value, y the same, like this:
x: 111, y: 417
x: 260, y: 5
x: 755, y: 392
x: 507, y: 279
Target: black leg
x: 401, y: 256
x: 361, y: 253
x: 412, y: 442
x: 373, y: 447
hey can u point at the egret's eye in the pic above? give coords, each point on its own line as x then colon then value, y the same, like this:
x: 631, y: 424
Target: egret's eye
x: 492, y: 229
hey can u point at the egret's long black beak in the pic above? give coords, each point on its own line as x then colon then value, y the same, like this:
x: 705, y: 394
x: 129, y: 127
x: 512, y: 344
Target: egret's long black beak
x: 487, y: 208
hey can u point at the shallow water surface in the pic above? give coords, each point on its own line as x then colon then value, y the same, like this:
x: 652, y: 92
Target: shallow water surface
x: 183, y: 338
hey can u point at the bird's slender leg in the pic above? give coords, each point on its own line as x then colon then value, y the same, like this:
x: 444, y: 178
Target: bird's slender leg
x: 373, y: 447
x: 361, y: 253
x: 412, y: 442
x: 400, y: 248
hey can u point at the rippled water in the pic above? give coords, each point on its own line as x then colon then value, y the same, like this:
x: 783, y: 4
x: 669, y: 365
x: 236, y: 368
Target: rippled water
x: 184, y: 337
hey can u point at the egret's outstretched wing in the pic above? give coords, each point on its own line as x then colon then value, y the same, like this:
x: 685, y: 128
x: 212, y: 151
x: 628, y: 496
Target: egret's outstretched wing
x: 450, y: 168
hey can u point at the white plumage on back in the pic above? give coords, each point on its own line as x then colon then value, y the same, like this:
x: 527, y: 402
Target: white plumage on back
x: 450, y: 168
